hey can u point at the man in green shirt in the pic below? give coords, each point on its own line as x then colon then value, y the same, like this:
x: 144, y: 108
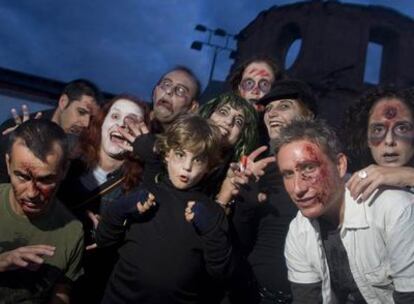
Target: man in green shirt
x: 41, y: 243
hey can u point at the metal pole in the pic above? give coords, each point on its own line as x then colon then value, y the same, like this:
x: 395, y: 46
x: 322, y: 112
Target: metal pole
x: 213, y: 64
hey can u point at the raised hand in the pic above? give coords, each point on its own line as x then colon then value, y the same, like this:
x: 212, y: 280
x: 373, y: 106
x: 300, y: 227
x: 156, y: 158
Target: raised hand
x: 134, y: 129
x: 257, y: 167
x: 19, y: 120
x: 201, y: 215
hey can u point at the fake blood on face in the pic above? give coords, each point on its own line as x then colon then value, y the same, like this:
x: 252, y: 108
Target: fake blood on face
x: 308, y: 176
x: 387, y: 116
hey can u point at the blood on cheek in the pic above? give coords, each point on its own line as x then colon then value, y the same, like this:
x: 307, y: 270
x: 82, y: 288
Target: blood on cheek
x: 318, y: 177
x: 44, y: 190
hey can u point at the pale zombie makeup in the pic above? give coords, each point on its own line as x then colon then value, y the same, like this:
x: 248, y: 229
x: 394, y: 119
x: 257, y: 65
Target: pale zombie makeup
x: 119, y: 114
x: 391, y: 133
x: 280, y: 113
x: 310, y: 177
x: 230, y: 121
x: 185, y: 169
x: 173, y: 95
x: 257, y: 80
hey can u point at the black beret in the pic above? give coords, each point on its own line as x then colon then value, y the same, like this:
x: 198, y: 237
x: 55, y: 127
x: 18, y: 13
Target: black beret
x: 291, y: 89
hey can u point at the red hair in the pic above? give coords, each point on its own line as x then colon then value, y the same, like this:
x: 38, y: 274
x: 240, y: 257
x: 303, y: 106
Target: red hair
x: 90, y: 142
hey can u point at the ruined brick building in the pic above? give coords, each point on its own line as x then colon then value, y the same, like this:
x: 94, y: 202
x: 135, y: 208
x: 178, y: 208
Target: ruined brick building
x: 333, y: 56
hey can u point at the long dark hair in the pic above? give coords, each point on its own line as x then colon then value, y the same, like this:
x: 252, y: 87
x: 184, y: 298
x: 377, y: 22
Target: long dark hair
x: 356, y: 120
x: 249, y: 136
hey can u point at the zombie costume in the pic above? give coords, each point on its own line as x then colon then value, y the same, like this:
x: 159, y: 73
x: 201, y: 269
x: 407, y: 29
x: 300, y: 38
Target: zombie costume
x: 165, y: 259
x: 378, y: 241
x: 57, y: 227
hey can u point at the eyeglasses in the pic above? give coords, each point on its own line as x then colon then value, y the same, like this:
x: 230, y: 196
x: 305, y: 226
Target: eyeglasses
x: 249, y: 84
x: 179, y: 90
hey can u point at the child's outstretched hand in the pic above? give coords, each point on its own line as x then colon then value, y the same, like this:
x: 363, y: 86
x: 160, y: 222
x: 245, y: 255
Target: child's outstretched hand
x: 201, y: 215
x: 189, y: 214
x: 146, y: 201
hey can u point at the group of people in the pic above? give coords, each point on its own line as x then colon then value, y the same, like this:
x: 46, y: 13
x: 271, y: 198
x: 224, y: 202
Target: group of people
x: 247, y: 198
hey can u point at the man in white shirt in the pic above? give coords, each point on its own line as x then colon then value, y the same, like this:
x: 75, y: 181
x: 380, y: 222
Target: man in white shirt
x: 338, y: 251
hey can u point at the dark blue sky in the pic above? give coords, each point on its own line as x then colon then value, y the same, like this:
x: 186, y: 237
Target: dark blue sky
x: 123, y: 46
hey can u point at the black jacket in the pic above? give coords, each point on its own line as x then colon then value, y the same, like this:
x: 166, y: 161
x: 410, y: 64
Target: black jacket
x: 164, y: 259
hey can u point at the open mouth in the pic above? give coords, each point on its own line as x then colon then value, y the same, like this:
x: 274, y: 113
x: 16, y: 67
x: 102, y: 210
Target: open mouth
x: 165, y: 104
x: 224, y: 132
x: 183, y: 178
x: 276, y: 124
x: 75, y: 130
x: 30, y: 205
x: 116, y: 137
x: 305, y: 202
x: 391, y: 157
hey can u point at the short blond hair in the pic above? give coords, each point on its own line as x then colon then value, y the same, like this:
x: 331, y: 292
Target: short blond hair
x: 193, y: 133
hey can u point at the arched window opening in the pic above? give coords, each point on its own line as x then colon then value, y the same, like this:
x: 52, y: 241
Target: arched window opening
x: 292, y: 53
x: 373, y: 62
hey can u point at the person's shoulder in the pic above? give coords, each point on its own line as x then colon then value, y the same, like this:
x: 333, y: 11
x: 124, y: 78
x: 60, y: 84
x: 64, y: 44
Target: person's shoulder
x: 300, y: 225
x: 4, y: 187
x: 4, y: 193
x: 389, y: 204
x: 391, y: 197
x: 64, y: 218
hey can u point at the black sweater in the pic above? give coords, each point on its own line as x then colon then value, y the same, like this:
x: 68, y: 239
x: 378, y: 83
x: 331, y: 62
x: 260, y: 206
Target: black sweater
x: 163, y: 258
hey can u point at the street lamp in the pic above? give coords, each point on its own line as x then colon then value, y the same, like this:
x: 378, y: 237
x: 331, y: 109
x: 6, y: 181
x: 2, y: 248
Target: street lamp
x: 198, y: 45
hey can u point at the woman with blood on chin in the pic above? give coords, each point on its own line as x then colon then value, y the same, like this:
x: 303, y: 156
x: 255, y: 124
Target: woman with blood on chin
x: 102, y: 173
x: 379, y: 131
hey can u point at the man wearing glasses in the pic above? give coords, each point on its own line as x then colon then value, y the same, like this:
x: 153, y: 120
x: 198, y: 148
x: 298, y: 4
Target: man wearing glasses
x: 177, y: 92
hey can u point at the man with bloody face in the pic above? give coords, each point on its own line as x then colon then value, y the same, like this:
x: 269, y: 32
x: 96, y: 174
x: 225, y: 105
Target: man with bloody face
x: 41, y: 243
x: 338, y: 251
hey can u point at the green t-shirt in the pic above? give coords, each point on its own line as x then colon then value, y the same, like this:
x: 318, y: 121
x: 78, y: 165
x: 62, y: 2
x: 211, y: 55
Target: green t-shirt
x: 57, y: 227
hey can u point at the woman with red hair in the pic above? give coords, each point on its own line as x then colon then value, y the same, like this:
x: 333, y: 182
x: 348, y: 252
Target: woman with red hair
x: 102, y: 173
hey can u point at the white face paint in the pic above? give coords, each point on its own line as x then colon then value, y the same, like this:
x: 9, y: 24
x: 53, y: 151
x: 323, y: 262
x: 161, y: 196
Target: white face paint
x: 120, y: 111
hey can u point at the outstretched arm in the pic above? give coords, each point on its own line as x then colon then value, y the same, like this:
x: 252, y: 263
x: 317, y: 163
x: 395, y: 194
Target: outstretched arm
x: 111, y: 226
x: 211, y: 224
x: 28, y: 257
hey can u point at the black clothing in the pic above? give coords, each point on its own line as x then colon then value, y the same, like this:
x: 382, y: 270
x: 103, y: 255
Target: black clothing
x: 262, y: 229
x: 273, y: 218
x: 98, y: 264
x: 163, y: 259
x: 307, y: 293
x: 4, y: 142
x: 342, y: 281
x: 403, y: 297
